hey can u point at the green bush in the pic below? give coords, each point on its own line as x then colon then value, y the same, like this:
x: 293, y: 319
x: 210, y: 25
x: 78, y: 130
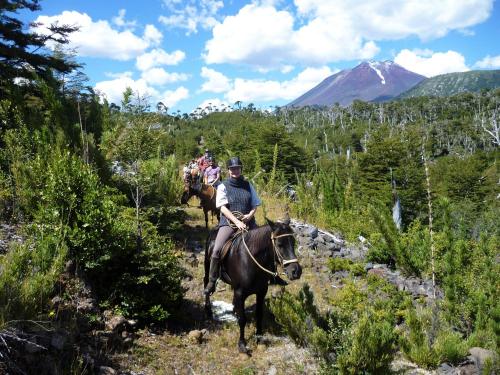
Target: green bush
x: 370, y: 346
x: 28, y: 273
x: 149, y: 286
x: 428, y: 341
x: 344, y: 264
x: 67, y: 198
x: 355, y: 336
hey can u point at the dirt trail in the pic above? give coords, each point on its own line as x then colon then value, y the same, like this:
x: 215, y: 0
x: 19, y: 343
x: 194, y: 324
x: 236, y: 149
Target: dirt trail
x: 191, y: 344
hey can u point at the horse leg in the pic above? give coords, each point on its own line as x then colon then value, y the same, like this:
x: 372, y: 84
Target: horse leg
x: 259, y: 313
x: 239, y: 309
x: 208, y: 305
x: 205, y: 211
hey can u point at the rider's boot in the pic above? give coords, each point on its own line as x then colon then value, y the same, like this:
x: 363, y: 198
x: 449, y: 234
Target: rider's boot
x: 213, y: 275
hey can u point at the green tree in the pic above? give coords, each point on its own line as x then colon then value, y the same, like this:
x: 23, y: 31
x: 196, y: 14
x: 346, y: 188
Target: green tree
x: 22, y: 52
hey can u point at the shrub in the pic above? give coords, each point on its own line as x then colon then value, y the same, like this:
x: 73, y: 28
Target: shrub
x: 354, y: 336
x: 344, y: 264
x: 28, y: 273
x: 370, y: 347
x: 67, y: 198
x: 149, y: 287
x: 427, y: 341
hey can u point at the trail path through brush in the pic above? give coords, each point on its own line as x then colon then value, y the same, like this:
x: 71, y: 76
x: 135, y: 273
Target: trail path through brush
x: 192, y: 344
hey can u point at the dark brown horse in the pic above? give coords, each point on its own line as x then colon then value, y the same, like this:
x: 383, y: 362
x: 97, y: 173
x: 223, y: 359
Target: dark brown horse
x: 207, y: 195
x: 249, y: 266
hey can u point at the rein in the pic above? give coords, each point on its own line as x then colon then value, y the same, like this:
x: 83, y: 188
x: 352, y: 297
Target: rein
x: 282, y: 262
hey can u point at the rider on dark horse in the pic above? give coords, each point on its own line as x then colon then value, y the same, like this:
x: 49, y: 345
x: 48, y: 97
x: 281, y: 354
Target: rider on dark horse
x: 233, y: 195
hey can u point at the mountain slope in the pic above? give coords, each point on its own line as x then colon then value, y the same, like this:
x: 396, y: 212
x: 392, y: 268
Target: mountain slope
x: 454, y: 83
x: 368, y: 81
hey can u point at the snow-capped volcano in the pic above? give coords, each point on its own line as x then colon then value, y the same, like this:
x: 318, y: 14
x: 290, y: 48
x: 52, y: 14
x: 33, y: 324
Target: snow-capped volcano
x: 369, y: 81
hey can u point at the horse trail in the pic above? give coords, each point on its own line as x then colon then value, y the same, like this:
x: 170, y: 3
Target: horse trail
x: 193, y: 344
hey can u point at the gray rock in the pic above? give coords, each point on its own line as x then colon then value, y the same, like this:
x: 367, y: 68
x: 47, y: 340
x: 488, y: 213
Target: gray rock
x: 86, y: 305
x: 116, y: 324
x: 105, y: 370
x: 312, y: 231
x: 272, y: 371
x: 57, y: 341
x: 445, y: 369
x: 368, y: 266
x: 481, y: 355
x: 195, y: 336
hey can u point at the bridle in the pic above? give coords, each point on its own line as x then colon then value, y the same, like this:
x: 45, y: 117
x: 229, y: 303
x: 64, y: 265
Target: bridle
x: 281, y: 260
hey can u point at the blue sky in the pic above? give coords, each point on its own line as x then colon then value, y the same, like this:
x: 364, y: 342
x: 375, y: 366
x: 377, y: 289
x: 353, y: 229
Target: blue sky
x: 268, y: 52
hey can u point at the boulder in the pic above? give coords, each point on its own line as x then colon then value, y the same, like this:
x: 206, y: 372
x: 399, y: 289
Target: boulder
x: 116, y: 324
x: 105, y: 370
x: 195, y: 336
x: 480, y: 356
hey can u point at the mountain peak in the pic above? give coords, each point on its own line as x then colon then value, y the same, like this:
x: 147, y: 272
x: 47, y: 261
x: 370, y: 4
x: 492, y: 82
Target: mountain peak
x: 369, y: 81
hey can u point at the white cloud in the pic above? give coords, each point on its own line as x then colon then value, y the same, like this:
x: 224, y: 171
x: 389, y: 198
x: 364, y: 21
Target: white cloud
x: 488, y: 62
x: 158, y: 57
x: 325, y: 31
x: 215, y: 81
x: 160, y: 77
x: 96, y: 38
x: 120, y: 20
x: 152, y: 35
x: 429, y: 63
x: 127, y: 74
x: 191, y: 15
x: 248, y: 90
x: 171, y: 97
x: 113, y: 90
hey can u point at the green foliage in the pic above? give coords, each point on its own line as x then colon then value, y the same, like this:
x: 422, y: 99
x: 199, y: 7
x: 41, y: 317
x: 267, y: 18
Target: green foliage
x: 149, y: 285
x: 371, y: 344
x: 355, y: 336
x: 344, y: 264
x: 29, y: 273
x: 427, y: 341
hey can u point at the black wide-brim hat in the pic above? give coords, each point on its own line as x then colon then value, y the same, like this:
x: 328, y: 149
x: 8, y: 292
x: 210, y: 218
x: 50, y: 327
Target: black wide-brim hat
x: 234, y: 162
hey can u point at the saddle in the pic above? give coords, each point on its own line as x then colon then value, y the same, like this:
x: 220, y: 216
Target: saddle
x: 224, y: 252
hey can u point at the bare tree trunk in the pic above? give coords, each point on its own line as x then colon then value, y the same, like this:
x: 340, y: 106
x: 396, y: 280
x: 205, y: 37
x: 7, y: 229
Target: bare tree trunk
x: 85, y: 150
x: 431, y: 232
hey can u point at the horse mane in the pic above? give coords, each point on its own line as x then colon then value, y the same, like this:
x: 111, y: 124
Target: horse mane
x: 257, y: 235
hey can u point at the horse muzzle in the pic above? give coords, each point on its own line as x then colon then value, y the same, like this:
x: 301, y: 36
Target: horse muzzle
x: 293, y: 271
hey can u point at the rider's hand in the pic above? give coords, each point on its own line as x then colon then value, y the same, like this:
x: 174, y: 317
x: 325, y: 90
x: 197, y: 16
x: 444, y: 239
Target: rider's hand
x: 241, y: 225
x: 246, y: 218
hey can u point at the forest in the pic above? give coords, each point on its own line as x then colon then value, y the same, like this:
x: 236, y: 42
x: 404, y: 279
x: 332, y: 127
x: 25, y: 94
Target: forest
x: 93, y: 188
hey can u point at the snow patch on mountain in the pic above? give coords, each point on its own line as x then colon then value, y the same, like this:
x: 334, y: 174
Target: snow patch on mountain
x: 373, y: 65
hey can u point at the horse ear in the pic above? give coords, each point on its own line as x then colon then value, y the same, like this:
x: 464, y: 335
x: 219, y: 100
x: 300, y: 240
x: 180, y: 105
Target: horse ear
x: 270, y: 223
x: 286, y: 219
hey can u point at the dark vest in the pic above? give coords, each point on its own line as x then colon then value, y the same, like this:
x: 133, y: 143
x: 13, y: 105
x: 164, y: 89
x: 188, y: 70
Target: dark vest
x: 239, y: 197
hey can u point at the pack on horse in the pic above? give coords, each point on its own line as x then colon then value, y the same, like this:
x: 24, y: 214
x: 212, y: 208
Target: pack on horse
x: 207, y: 195
x: 249, y: 263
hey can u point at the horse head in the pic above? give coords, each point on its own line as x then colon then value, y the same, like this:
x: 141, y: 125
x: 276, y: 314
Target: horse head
x: 282, y: 237
x: 190, y: 189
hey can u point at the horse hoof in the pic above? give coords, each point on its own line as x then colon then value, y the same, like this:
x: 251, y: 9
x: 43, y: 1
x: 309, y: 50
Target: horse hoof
x: 242, y: 348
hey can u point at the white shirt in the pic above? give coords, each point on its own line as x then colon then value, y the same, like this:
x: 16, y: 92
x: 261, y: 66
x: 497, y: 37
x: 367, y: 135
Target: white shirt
x: 221, y: 198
